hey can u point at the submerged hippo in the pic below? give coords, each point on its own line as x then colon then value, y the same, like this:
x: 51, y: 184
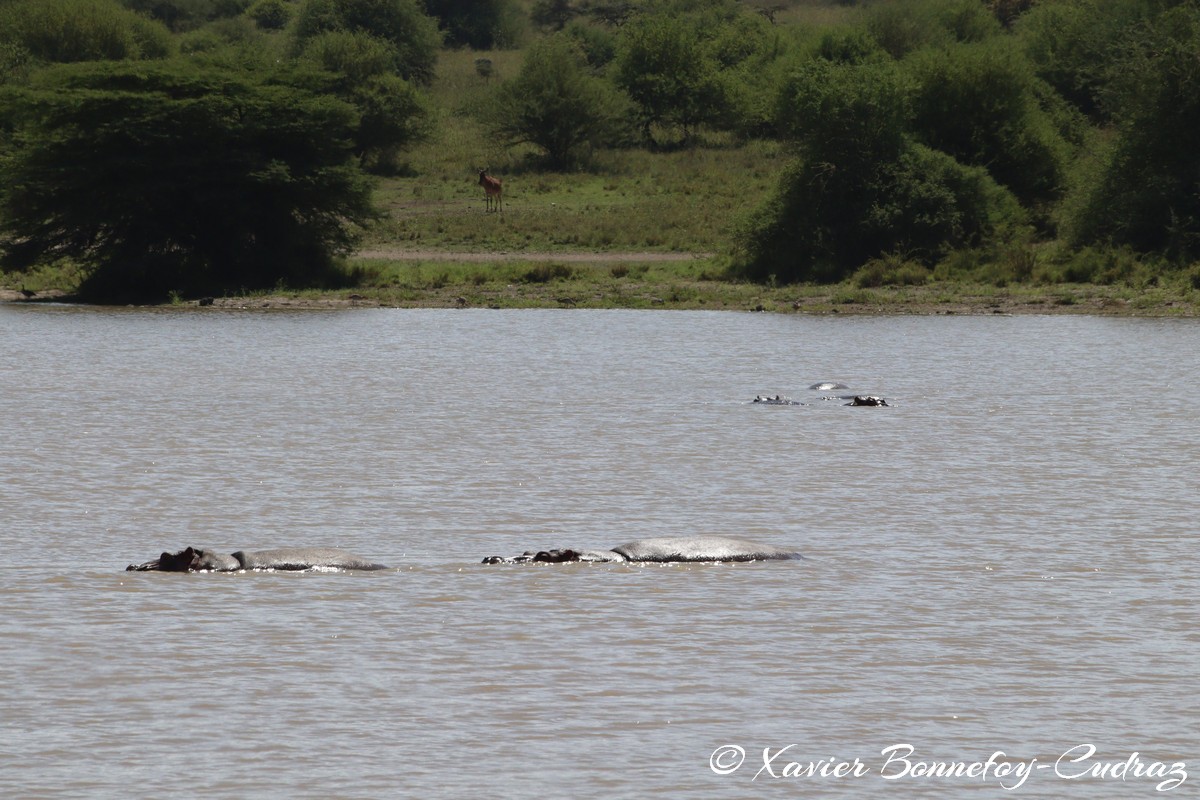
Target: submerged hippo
x: 828, y: 386
x: 662, y: 550
x: 777, y: 400
x: 866, y: 400
x: 193, y: 559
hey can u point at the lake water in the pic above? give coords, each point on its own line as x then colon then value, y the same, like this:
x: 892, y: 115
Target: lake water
x: 1001, y: 566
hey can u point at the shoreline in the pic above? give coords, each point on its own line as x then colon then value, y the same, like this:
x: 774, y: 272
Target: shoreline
x: 928, y: 300
x: 400, y: 278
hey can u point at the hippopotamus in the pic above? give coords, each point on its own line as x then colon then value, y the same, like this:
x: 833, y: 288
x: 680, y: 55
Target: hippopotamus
x: 193, y: 559
x: 777, y: 400
x: 827, y: 386
x: 667, y: 549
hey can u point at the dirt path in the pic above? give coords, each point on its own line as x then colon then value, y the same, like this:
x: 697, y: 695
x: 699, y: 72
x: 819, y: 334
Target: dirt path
x: 400, y: 254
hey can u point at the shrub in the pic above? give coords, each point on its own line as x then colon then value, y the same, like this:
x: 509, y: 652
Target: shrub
x: 822, y: 224
x: 556, y: 104
x: 270, y: 14
x: 902, y: 26
x: 271, y: 190
x: 665, y: 69
x: 1075, y: 45
x: 1145, y: 192
x: 478, y: 24
x: 412, y: 35
x: 979, y: 103
x: 65, y: 31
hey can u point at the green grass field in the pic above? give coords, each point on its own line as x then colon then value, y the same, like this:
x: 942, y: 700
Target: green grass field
x: 627, y: 200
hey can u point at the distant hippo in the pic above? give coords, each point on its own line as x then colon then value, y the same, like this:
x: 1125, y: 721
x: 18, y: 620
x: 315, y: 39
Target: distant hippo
x: 662, y: 550
x: 777, y: 400
x: 828, y: 386
x: 193, y: 559
x: 866, y: 400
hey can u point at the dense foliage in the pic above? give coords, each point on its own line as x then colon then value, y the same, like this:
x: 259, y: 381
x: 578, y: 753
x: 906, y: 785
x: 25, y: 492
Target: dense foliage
x: 411, y: 35
x: 939, y: 132
x: 166, y: 178
x: 862, y: 185
x: 61, y: 31
x: 556, y: 105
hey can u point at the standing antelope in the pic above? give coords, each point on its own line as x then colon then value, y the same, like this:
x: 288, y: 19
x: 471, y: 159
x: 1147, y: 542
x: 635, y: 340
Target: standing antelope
x: 492, y: 187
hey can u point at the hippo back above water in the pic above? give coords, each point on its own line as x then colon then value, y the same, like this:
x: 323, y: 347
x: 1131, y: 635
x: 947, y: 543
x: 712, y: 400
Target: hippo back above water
x: 194, y: 559
x: 663, y: 550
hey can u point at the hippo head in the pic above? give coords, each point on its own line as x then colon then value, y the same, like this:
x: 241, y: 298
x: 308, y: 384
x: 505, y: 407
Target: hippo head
x: 541, y: 556
x: 189, y: 559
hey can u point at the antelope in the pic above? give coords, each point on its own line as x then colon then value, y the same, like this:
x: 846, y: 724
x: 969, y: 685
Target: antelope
x: 492, y: 187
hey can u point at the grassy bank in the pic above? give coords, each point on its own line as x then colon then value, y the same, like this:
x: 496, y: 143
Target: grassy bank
x: 691, y: 284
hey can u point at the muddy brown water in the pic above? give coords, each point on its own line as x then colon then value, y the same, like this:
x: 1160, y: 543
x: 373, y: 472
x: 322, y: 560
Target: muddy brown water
x: 1003, y: 562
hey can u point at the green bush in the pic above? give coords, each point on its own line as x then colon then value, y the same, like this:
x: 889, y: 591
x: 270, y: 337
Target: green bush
x: 479, y: 24
x: 902, y: 26
x: 979, y: 103
x: 823, y: 223
x: 557, y: 105
x: 848, y: 45
x: 271, y: 15
x: 64, y: 31
x: 665, y: 69
x: 412, y: 35
x: 240, y: 180
x: 850, y: 116
x: 1076, y: 45
x: 1145, y: 191
x: 187, y: 15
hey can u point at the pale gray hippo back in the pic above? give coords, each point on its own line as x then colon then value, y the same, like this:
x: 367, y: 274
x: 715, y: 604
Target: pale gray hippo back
x: 296, y: 558
x: 701, y: 548
x: 664, y: 549
x: 194, y: 559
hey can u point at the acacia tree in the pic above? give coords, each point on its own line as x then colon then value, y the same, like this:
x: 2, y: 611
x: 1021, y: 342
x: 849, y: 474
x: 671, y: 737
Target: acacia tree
x: 392, y: 113
x: 556, y: 104
x: 666, y: 69
x: 160, y: 178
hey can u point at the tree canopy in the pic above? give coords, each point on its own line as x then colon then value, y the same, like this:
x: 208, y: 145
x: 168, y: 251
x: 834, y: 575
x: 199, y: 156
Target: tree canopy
x: 556, y: 104
x: 169, y: 177
x: 412, y: 35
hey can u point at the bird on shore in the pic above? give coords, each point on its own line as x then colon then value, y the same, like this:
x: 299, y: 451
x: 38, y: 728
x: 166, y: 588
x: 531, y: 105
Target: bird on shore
x: 28, y: 293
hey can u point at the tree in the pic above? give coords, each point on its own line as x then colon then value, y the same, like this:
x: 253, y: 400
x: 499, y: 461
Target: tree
x: 669, y: 74
x: 271, y: 15
x: 479, y: 24
x: 1146, y: 190
x: 903, y: 26
x: 167, y: 177
x: 553, y: 14
x: 185, y: 15
x: 979, y: 103
x: 1075, y: 45
x: 861, y: 187
x: 63, y: 31
x: 556, y: 104
x: 392, y: 113
x: 412, y: 35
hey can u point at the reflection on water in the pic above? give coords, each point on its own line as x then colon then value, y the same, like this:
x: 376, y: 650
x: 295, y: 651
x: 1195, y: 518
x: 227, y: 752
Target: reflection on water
x: 1002, y: 561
